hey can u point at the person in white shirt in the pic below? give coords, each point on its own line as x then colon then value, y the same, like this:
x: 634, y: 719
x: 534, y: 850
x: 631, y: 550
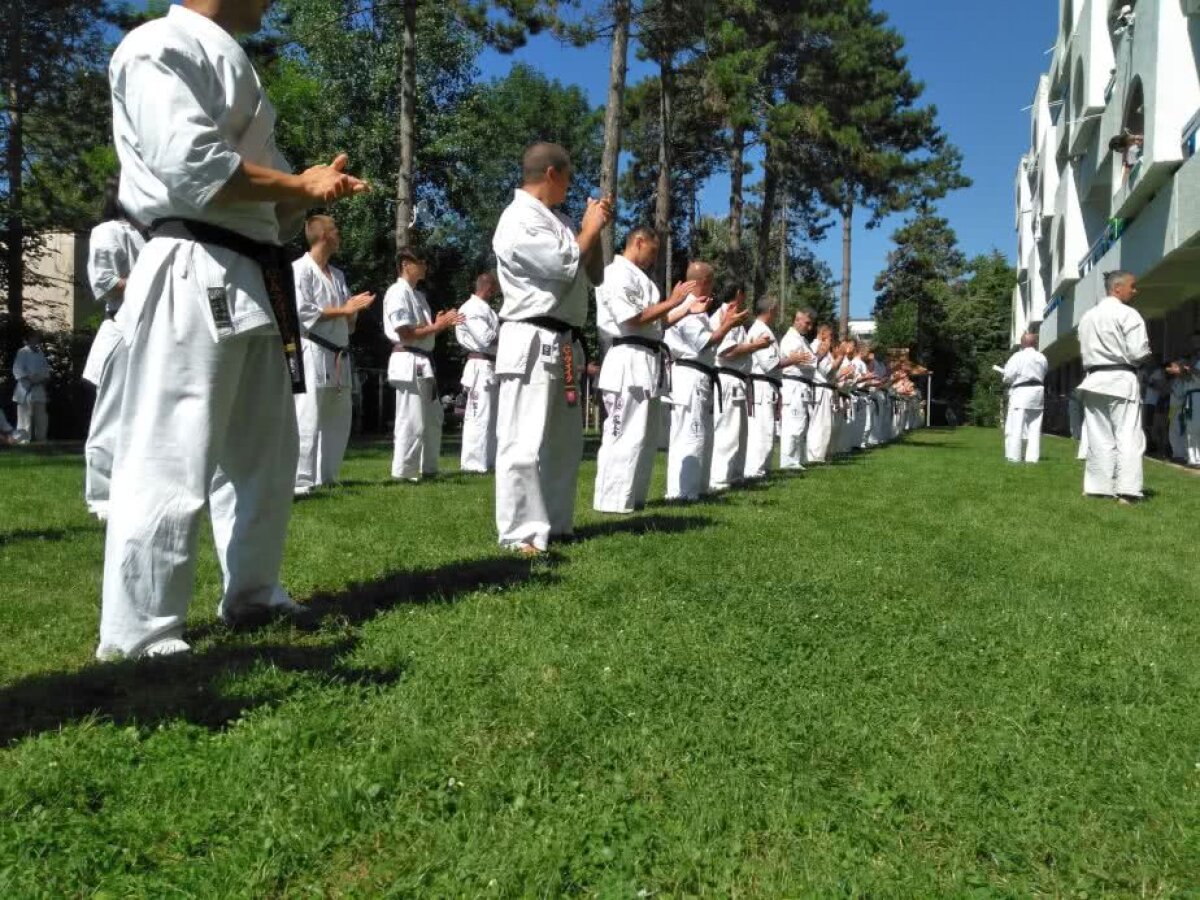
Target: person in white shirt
x: 479, y: 334
x: 207, y: 417
x: 731, y: 417
x: 692, y: 341
x: 796, y: 371
x: 544, y: 271
x: 327, y: 316
x: 1113, y: 343
x: 881, y: 404
x: 1185, y: 379
x: 1025, y: 377
x: 633, y: 377
x: 113, y: 249
x: 31, y: 371
x: 820, y: 427
x: 765, y: 377
x: 412, y: 328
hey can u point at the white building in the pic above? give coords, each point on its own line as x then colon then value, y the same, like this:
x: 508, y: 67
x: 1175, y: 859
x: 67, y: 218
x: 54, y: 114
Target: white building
x: 1124, y: 70
x: 862, y: 329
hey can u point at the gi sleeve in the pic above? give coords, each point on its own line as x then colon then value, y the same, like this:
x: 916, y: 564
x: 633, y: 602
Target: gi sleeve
x: 106, y: 264
x: 165, y: 98
x: 1136, y: 339
x: 1010, y: 370
x: 308, y: 307
x: 535, y: 252
x: 481, y: 330
x: 404, y: 309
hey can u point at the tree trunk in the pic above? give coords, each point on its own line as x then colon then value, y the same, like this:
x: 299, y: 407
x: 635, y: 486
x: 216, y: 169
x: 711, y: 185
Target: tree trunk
x: 737, y: 173
x: 783, y: 255
x: 770, y: 188
x: 15, y: 226
x: 617, y: 66
x: 662, y: 207
x: 847, y: 239
x: 408, y: 108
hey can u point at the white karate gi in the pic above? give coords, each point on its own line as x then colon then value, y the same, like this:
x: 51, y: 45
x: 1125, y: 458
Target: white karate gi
x: 1024, y: 420
x: 325, y: 410
x: 760, y: 427
x: 797, y: 403
x: 689, y: 454
x: 861, y: 406
x: 1187, y: 423
x: 31, y: 372
x: 479, y: 334
x: 207, y: 414
x: 539, y: 432
x: 418, y: 429
x: 113, y: 249
x: 730, y: 418
x: 1112, y: 333
x: 632, y: 381
x: 881, y: 412
x: 820, y: 423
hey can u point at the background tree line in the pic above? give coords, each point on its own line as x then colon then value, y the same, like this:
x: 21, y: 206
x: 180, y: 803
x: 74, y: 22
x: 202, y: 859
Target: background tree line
x: 817, y: 92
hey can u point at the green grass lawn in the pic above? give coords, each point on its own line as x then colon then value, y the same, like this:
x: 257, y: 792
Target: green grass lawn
x: 922, y: 671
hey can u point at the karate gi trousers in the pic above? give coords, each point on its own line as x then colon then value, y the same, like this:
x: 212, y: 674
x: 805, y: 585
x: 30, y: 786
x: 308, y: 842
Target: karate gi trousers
x: 820, y: 425
x: 1023, y: 426
x: 539, y: 446
x: 323, y: 417
x: 479, y: 417
x: 730, y: 432
x: 793, y: 431
x: 194, y: 407
x: 107, y: 361
x: 760, y: 434
x: 1177, y: 437
x: 1115, y: 445
x: 628, y: 447
x: 418, y: 429
x: 689, y: 456
x: 33, y: 421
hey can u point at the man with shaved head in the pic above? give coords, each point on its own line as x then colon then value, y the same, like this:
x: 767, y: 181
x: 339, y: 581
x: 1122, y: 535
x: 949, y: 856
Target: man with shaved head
x: 545, y: 271
x: 1113, y: 343
x: 796, y: 366
x: 633, y: 377
x: 327, y: 316
x: 1025, y: 377
x: 479, y: 333
x: 693, y: 339
x: 765, y: 376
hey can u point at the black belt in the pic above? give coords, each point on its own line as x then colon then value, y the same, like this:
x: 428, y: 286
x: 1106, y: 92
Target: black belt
x: 1030, y: 383
x: 400, y: 348
x: 635, y: 341
x: 339, y: 353
x: 556, y: 325
x: 1116, y: 367
x: 712, y: 377
x: 768, y: 379
x: 277, y: 275
x: 486, y: 357
x: 799, y: 378
x: 745, y: 379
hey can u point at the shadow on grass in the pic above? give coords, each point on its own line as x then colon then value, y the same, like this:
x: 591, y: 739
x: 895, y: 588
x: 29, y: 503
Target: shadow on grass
x: 24, y: 535
x: 199, y: 689
x: 653, y: 524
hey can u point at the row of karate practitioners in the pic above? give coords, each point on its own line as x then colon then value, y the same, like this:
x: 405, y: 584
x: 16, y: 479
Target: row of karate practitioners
x: 201, y: 365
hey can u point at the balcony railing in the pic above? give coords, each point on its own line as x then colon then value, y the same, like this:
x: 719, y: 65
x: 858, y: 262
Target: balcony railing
x: 1112, y: 233
x: 1052, y: 306
x: 1190, y: 130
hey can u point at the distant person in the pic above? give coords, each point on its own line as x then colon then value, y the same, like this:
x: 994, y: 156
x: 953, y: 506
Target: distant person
x: 1185, y: 374
x: 327, y: 315
x: 412, y: 328
x: 31, y: 371
x: 764, y: 375
x: 1025, y: 377
x: 797, y: 392
x: 731, y: 417
x: 113, y: 249
x: 1113, y: 343
x: 479, y: 335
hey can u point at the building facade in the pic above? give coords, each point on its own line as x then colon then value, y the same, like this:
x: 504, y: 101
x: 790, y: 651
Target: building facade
x: 58, y: 297
x: 1111, y: 179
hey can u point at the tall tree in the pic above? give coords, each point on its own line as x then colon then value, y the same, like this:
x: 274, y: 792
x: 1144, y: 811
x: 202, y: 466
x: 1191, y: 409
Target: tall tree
x: 878, y: 149
x: 54, y: 105
x: 617, y: 71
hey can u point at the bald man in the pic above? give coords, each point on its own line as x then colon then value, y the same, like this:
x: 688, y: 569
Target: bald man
x: 630, y: 315
x: 1113, y: 343
x: 796, y: 367
x: 1025, y: 378
x: 693, y: 338
x: 545, y: 271
x: 327, y: 315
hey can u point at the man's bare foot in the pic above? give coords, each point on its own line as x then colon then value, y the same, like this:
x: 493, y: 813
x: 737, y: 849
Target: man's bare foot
x: 528, y: 551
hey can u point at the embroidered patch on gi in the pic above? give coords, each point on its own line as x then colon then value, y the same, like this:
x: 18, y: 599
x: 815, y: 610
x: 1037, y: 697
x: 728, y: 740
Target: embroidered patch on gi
x: 218, y: 302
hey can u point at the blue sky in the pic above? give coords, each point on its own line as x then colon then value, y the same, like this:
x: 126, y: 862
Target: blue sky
x: 980, y: 63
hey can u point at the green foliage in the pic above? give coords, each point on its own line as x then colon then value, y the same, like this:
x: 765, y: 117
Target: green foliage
x: 659, y: 709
